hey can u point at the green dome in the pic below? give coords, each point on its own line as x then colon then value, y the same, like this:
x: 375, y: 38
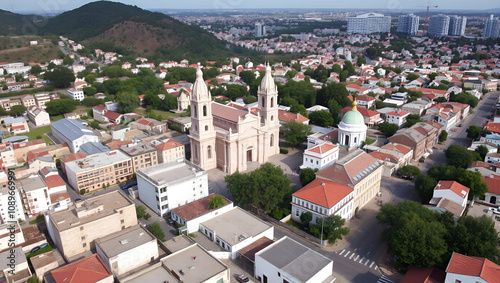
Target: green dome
x: 353, y: 118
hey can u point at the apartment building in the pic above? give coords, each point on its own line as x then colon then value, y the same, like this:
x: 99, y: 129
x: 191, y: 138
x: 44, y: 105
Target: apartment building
x: 142, y: 154
x: 408, y: 24
x: 368, y: 23
x: 38, y: 116
x: 75, y: 229
x: 73, y: 133
x: 168, y: 185
x: 76, y: 94
x: 28, y: 100
x: 41, y: 99
x: 5, y: 214
x: 96, y: 170
x: 438, y: 25
x: 170, y: 150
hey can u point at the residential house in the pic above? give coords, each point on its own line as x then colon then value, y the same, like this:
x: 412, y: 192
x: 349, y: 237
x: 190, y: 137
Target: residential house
x: 38, y: 116
x: 169, y: 151
x: 393, y: 156
x: 16, y: 125
x: 416, y: 107
x: 358, y: 170
x: 370, y: 117
x: 317, y: 108
x: 92, y: 268
x: 289, y: 261
x: 149, y: 125
x: 22, y: 149
x: 28, y: 100
x: 73, y: 133
x: 365, y: 101
x: 397, y: 118
x: 492, y: 157
x: 320, y: 156
x: 20, y: 265
x: 163, y: 187
x: 493, y: 194
x: 420, y: 137
x: 74, y: 229
x: 285, y: 117
x: 142, y: 154
x: 463, y: 268
x: 424, y: 275
x: 97, y: 170
x: 450, y: 196
x: 44, y: 263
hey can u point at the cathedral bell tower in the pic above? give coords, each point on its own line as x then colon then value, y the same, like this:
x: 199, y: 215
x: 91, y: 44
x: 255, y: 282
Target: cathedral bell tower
x: 268, y: 100
x: 202, y: 133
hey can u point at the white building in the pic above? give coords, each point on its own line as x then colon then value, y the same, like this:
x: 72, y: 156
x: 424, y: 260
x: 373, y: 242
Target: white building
x: 397, y: 118
x: 8, y: 229
x: 73, y: 133
x: 438, y: 25
x: 320, y: 155
x: 463, y: 268
x: 35, y: 195
x: 128, y: 249
x: 236, y: 229
x: 38, y: 116
x: 192, y: 214
x: 5, y: 213
x: 449, y: 196
x: 352, y: 128
x: 369, y: 23
x: 323, y: 198
x: 76, y: 94
x: 289, y: 261
x: 408, y: 24
x: 457, y: 25
x: 169, y: 185
x: 447, y: 118
x: 492, y: 157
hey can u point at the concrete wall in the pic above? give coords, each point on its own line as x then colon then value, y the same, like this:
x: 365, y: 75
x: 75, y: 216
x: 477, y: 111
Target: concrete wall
x: 454, y: 278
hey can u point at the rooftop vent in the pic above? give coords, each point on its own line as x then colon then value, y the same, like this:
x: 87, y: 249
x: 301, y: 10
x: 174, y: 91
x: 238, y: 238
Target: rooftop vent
x: 123, y: 242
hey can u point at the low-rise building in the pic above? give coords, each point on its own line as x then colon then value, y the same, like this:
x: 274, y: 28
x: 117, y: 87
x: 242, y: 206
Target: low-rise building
x: 165, y: 186
x: 450, y: 196
x: 16, y: 125
x: 493, y: 158
x: 73, y: 133
x: 28, y: 100
x: 170, y: 150
x: 150, y: 125
x: 92, y: 268
x: 393, y: 156
x: 289, y: 261
x: 6, y: 230
x: 128, y: 249
x: 463, y: 268
x: 74, y: 229
x: 76, y: 94
x: 320, y: 156
x: 397, y: 118
x: 235, y: 229
x: 35, y: 195
x: 420, y: 137
x: 41, y: 99
x: 100, y: 169
x: 6, y: 197
x: 21, y: 271
x: 192, y: 214
x: 142, y: 154
x: 38, y: 116
x: 43, y: 264
x: 416, y: 107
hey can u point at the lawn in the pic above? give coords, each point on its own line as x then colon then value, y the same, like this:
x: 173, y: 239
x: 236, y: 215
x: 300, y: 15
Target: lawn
x: 34, y: 133
x: 164, y: 114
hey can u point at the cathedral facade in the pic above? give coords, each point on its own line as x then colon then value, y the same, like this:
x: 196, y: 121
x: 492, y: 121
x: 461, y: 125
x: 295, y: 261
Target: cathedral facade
x: 229, y: 138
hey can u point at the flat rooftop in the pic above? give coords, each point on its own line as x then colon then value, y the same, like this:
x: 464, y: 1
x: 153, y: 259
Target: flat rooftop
x: 42, y: 260
x: 158, y: 274
x: 97, y: 160
x: 89, y: 210
x: 171, y: 172
x: 194, y: 264
x: 124, y: 240
x: 295, y: 259
x: 178, y: 243
x: 236, y: 226
x: 135, y: 149
x: 31, y: 183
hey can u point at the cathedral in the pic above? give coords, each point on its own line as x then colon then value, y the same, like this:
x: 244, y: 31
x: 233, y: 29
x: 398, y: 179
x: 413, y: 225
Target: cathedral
x: 228, y: 138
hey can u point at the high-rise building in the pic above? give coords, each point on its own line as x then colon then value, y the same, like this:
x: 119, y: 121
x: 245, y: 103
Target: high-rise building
x: 408, y: 24
x: 369, y: 23
x: 438, y: 25
x: 260, y: 29
x: 492, y: 27
x: 457, y: 25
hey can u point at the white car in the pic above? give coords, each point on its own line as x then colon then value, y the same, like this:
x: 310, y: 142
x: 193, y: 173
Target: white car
x: 495, y: 210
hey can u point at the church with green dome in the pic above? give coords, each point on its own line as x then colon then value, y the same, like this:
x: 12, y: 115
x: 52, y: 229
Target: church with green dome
x: 352, y: 128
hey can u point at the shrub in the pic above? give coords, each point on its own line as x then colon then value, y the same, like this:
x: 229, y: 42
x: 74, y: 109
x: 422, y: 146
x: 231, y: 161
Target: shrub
x: 216, y: 201
x: 82, y: 191
x: 283, y: 151
x: 147, y: 216
x: 141, y: 211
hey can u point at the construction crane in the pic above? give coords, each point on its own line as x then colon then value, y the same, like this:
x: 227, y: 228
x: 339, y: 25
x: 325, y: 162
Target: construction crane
x: 427, y: 15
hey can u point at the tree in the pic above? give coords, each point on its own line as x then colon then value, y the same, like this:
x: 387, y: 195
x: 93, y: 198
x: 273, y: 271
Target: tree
x: 482, y: 150
x: 412, y: 119
x: 475, y: 237
x: 92, y: 101
x: 333, y: 228
x: 157, y: 231
x: 459, y: 156
x: 60, y: 106
x: 295, y: 133
x: 60, y: 77
x: 216, y: 202
x: 440, y: 99
x: 68, y: 61
x: 305, y: 218
x: 409, y: 170
x: 89, y: 91
x: 265, y: 187
x: 443, y: 136
x: 140, y: 211
x: 321, y: 118
x: 473, y: 132
x: 412, y: 77
x: 361, y: 60
x: 472, y: 180
x: 35, y: 70
x: 424, y: 185
x: 307, y: 175
x: 127, y: 102
x: 17, y: 110
x: 33, y: 279
x: 388, y: 129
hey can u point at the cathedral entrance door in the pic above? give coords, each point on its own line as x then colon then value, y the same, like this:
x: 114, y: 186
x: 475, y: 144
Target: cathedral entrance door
x: 249, y: 155
x: 347, y: 140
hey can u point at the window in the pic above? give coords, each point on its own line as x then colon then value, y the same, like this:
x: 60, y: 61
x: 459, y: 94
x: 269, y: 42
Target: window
x: 204, y: 110
x: 272, y: 104
x: 81, y: 228
x: 263, y: 102
x: 279, y: 274
x: 195, y: 112
x: 122, y: 221
x: 84, y: 245
x: 83, y: 238
x: 206, y: 128
x: 209, y: 151
x: 272, y: 139
x: 121, y: 211
x: 272, y: 117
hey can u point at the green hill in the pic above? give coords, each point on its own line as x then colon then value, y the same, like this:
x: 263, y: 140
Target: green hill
x: 133, y: 31
x: 12, y: 24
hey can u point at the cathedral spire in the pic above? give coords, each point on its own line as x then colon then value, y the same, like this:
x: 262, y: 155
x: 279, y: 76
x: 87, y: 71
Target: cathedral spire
x: 200, y: 89
x: 267, y: 83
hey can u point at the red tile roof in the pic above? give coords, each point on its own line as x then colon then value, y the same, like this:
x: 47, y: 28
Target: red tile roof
x: 424, y: 275
x: 456, y: 187
x: 112, y: 115
x: 323, y: 192
x: 493, y: 183
x: 493, y: 127
x: 55, y: 197
x: 100, y: 107
x: 87, y: 270
x: 73, y: 157
x: 250, y: 250
x: 54, y: 181
x: 474, y: 266
x: 286, y: 116
x: 400, y: 113
x: 168, y: 145
x: 29, y: 143
x: 384, y: 156
x: 365, y: 112
x: 18, y: 127
x: 115, y: 144
x: 322, y: 148
x: 397, y: 147
x: 195, y: 209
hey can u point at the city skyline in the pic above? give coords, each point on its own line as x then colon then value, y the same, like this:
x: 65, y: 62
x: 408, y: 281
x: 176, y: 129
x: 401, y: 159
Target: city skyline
x: 44, y: 6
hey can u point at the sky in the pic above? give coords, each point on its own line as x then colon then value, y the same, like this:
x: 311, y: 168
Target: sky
x: 51, y: 6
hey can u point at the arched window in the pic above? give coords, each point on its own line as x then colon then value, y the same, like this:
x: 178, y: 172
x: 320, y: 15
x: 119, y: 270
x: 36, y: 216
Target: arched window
x: 272, y: 117
x: 272, y: 140
x: 272, y: 101
x: 263, y: 102
x: 204, y: 110
x: 209, y: 151
x: 195, y: 112
x: 206, y: 128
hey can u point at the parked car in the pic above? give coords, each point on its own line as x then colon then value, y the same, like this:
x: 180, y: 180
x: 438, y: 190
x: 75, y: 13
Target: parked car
x: 129, y: 185
x: 78, y: 199
x: 34, y: 249
x: 495, y: 210
x: 407, y: 177
x: 43, y: 245
x: 421, y: 160
x: 243, y: 278
x: 460, y: 125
